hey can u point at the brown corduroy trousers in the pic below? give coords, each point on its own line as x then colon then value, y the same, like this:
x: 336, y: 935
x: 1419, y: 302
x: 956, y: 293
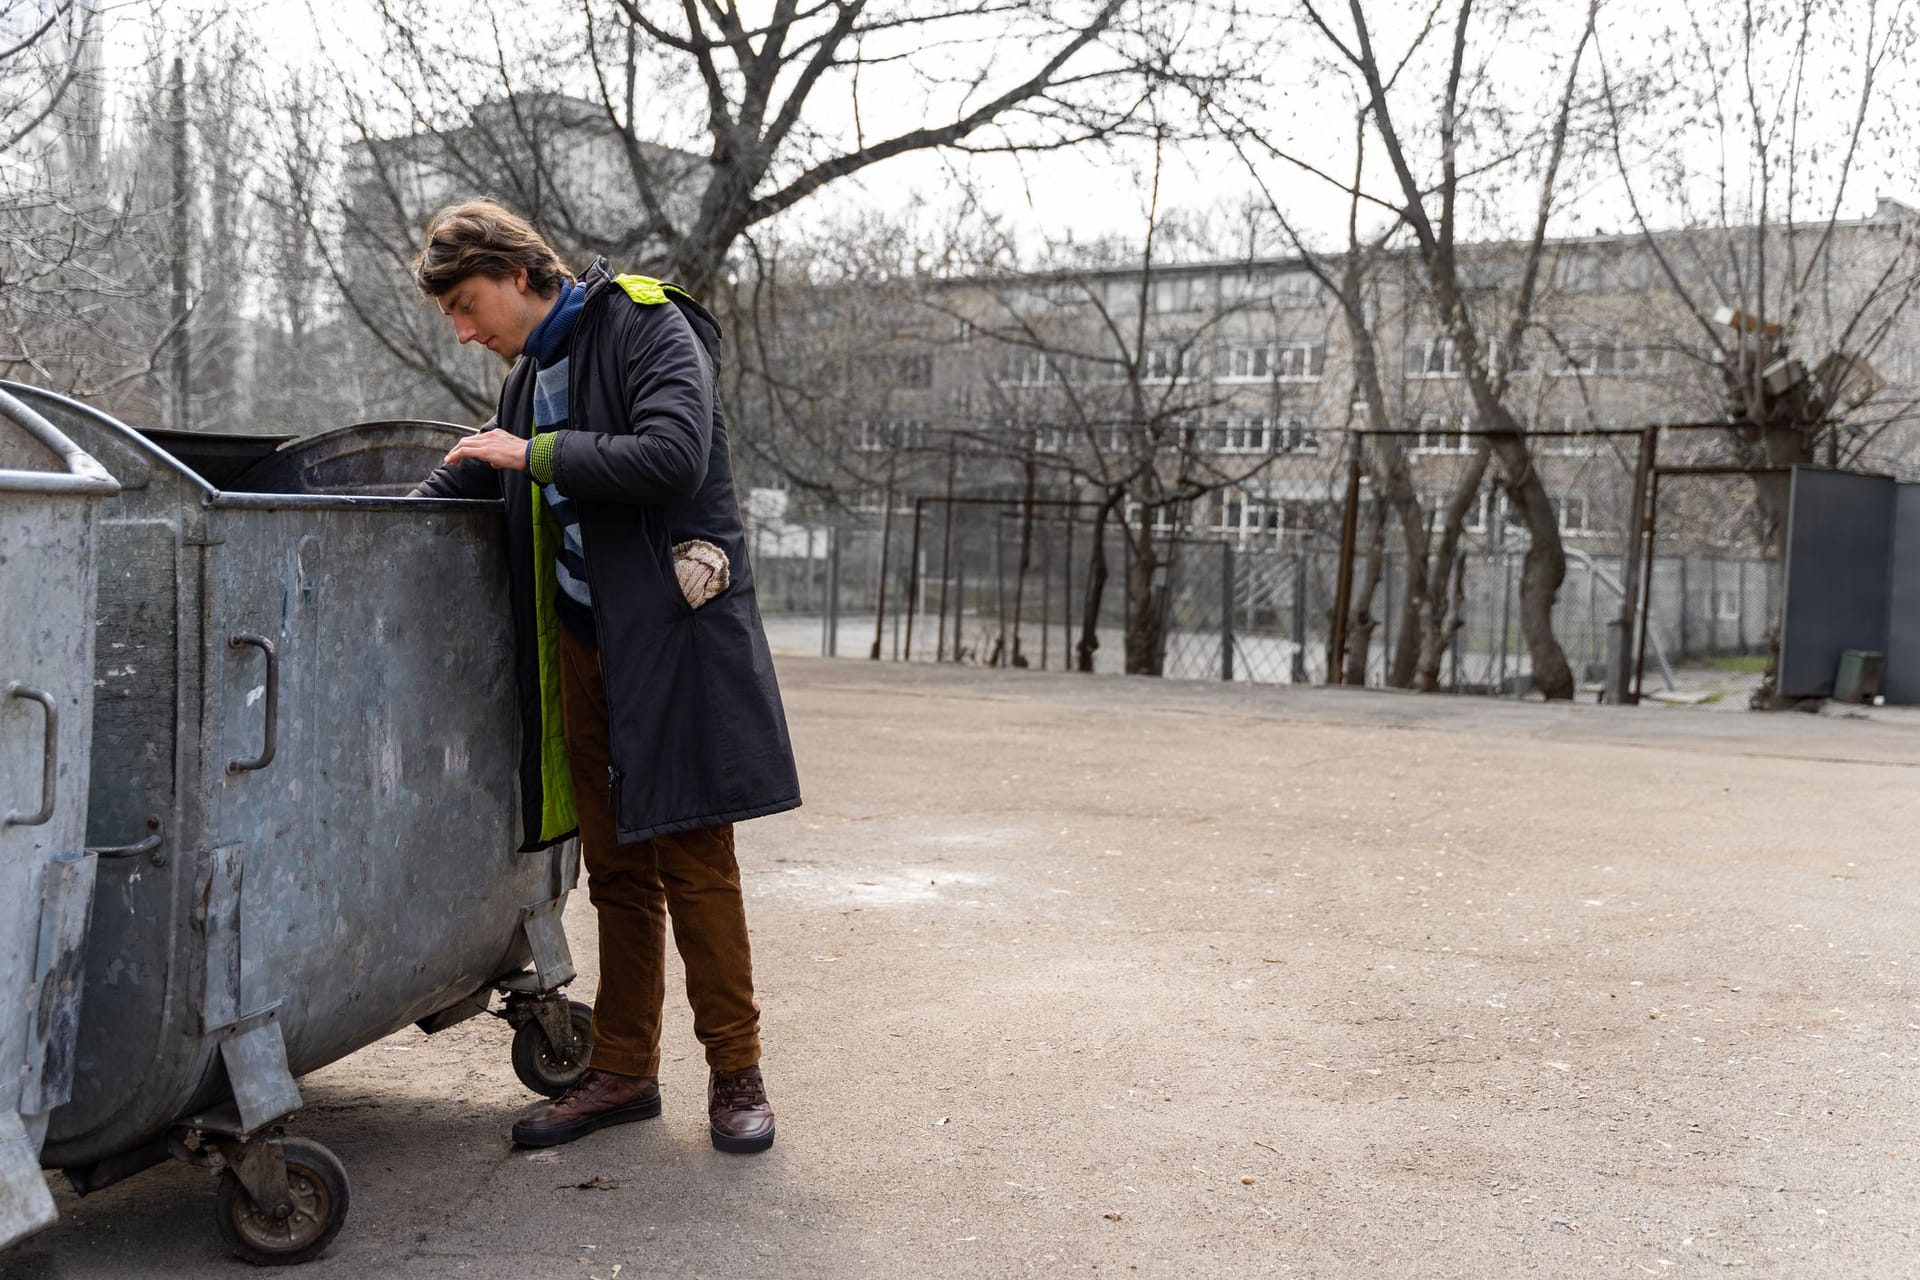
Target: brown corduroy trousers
x: 691, y: 876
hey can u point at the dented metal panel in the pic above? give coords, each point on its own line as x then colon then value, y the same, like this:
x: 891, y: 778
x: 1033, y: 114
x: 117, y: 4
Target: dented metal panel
x: 66, y: 910
x: 360, y: 876
x: 50, y: 491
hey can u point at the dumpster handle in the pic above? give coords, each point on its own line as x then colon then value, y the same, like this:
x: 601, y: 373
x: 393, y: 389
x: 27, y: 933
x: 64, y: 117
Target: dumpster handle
x: 50, y: 766
x: 150, y: 845
x: 241, y: 639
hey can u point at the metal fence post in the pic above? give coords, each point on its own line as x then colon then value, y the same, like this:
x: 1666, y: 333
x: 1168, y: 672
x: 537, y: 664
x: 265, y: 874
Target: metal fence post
x: 1713, y: 605
x: 1343, y: 588
x: 1740, y: 624
x: 913, y: 578
x: 880, y: 601
x: 1685, y: 650
x: 1506, y: 619
x: 1066, y: 613
x: 959, y: 602
x: 1453, y: 640
x: 1386, y: 618
x: 830, y: 642
x: 1000, y: 656
x: 1226, y: 610
x: 1046, y: 594
x: 1622, y: 683
x: 1299, y: 672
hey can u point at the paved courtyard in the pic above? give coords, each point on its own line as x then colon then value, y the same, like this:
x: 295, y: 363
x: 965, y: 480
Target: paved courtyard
x: 1071, y: 976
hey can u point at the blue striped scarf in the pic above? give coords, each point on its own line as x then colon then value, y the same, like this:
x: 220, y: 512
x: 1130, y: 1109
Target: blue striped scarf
x: 548, y: 344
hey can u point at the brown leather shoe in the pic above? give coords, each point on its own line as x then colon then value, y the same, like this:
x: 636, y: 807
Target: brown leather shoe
x: 600, y: 1099
x: 738, y: 1113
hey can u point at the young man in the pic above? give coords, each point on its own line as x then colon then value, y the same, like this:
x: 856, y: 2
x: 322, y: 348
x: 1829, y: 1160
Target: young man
x: 649, y: 724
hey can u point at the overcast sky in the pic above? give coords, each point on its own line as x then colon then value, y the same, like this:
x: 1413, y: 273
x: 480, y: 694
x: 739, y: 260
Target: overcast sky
x: 1104, y: 192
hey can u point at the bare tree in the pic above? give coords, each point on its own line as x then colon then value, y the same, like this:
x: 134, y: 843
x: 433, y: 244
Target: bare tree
x: 125, y: 251
x: 1482, y: 302
x: 1100, y: 376
x: 1780, y: 305
x: 662, y: 136
x: 53, y: 218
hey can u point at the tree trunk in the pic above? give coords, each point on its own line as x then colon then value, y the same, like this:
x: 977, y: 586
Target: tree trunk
x: 1541, y: 573
x: 1026, y: 562
x: 1413, y: 533
x: 1435, y: 632
x: 1096, y: 584
x: 1144, y: 620
x: 1787, y: 446
x: 1361, y: 624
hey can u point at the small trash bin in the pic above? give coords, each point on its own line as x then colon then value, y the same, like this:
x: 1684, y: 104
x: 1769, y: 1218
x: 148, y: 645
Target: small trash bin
x: 50, y: 493
x: 304, y: 791
x: 1858, y: 677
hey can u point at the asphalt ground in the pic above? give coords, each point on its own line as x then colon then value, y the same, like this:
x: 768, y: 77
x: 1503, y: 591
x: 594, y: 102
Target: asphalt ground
x: 1098, y: 976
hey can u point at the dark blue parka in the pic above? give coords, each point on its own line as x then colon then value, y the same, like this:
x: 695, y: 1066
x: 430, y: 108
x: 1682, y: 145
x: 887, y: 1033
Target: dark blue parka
x: 696, y: 730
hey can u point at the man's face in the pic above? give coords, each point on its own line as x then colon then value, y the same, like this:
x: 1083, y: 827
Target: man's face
x: 498, y: 312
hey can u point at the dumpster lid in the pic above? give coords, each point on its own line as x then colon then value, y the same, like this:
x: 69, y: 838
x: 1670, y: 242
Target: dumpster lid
x: 219, y: 458
x: 369, y: 459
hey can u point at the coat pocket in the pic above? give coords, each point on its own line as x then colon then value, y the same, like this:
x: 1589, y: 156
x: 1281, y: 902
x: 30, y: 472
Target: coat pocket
x: 702, y: 570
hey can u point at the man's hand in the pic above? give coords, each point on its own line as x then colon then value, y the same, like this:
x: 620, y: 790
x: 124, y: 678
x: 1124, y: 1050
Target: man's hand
x: 501, y: 450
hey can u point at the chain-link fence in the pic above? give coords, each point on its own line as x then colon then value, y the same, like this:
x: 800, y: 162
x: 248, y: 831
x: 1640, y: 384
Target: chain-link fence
x: 998, y: 581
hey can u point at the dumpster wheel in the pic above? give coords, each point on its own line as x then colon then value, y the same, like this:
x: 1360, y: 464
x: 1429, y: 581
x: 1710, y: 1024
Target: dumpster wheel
x: 317, y: 1182
x: 547, y: 1068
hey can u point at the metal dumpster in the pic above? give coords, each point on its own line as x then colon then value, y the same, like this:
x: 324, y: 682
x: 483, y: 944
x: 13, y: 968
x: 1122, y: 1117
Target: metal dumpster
x: 304, y: 800
x: 50, y: 492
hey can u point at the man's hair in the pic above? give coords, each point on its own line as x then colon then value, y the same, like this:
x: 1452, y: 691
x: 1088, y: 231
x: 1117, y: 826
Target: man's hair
x: 481, y: 238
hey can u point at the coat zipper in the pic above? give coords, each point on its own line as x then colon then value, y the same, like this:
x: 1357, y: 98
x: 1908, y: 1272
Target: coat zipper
x: 614, y: 776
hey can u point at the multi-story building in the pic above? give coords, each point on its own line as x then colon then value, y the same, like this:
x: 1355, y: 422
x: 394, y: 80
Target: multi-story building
x: 1238, y: 376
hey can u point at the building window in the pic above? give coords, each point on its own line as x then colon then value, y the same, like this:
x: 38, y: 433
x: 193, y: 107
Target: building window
x: 1583, y: 356
x: 1026, y: 369
x: 1604, y: 357
x: 1245, y: 433
x: 1578, y: 446
x: 1432, y: 358
x: 1576, y: 271
x: 902, y: 370
x: 1640, y: 359
x: 1248, y: 362
x: 1245, y: 286
x: 1297, y: 435
x: 888, y: 435
x: 1172, y: 294
x: 1521, y: 360
x: 1300, y: 361
x: 1244, y: 515
x: 1283, y: 289
x: 1574, y: 513
x: 1488, y: 513
x: 1162, y: 517
x: 1442, y: 433
x: 1169, y: 362
x: 1262, y: 361
x: 1297, y: 289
